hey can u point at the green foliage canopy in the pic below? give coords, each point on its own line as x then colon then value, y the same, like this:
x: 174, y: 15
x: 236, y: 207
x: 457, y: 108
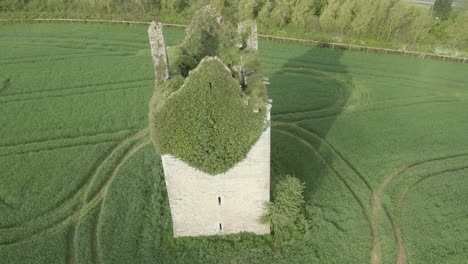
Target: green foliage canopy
x: 442, y: 9
x: 207, y: 35
x: 205, y: 122
x: 350, y: 21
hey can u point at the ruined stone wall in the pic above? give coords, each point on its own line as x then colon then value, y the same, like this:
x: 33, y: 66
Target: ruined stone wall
x: 231, y: 202
x: 252, y: 41
x: 158, y: 51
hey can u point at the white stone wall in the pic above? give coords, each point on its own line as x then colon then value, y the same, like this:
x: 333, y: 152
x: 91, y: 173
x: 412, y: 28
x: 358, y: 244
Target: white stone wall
x: 244, y: 191
x: 158, y: 51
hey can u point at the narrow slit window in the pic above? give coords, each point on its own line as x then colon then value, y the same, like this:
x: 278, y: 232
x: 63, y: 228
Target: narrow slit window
x: 220, y: 227
x: 219, y: 200
x: 211, y: 86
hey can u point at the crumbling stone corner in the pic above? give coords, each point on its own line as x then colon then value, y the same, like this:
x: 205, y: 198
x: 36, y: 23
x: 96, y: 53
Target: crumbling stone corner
x: 252, y: 41
x: 158, y: 52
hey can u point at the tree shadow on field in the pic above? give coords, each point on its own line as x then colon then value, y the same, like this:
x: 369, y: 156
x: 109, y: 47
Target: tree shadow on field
x: 309, y: 92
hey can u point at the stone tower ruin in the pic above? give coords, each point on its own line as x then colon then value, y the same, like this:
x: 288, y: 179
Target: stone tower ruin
x: 231, y: 202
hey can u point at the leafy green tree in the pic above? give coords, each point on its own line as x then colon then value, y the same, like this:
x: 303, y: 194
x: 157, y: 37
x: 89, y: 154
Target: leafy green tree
x: 247, y: 9
x: 207, y: 35
x: 281, y: 14
x: 345, y: 16
x: 174, y: 6
x: 370, y: 16
x: 458, y: 31
x: 319, y: 5
x: 442, y: 9
x: 396, y: 21
x: 303, y: 13
x: 329, y: 16
x: 264, y: 15
x: 420, y: 26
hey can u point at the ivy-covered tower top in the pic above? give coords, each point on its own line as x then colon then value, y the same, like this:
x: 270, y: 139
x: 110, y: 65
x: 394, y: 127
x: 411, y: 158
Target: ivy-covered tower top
x: 210, y: 102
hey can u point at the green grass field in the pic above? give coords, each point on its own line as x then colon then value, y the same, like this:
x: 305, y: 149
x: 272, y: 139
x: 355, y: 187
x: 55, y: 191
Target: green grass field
x: 381, y: 143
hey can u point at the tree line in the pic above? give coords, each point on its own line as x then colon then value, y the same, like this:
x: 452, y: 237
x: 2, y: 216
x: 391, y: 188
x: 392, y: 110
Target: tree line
x: 392, y: 23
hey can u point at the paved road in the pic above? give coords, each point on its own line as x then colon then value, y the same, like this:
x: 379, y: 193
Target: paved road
x: 431, y: 2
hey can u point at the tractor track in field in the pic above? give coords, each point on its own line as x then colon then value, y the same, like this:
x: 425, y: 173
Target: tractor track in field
x: 89, y: 41
x: 331, y: 115
x: 94, y: 237
x: 333, y: 150
x: 75, y: 94
x: 67, y: 138
x: 399, y: 241
x: 377, y: 207
x: 106, y: 184
x: 376, y: 203
x: 92, y: 48
x: 71, y: 246
x: 64, y: 58
x: 36, y: 59
x: 340, y: 100
x: 46, y: 45
x: 90, y: 178
x: 86, y: 86
x: 85, y: 207
x: 340, y: 177
x: 101, y: 198
x: 59, y: 144
x: 45, y: 56
x: 59, y: 147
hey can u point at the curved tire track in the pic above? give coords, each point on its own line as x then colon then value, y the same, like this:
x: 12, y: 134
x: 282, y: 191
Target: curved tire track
x: 377, y: 207
x: 85, y: 207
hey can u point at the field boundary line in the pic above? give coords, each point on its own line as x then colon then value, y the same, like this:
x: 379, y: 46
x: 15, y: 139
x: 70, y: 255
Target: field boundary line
x: 321, y: 44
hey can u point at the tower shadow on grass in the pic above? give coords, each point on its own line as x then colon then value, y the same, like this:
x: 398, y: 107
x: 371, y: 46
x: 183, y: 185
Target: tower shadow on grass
x: 313, y: 87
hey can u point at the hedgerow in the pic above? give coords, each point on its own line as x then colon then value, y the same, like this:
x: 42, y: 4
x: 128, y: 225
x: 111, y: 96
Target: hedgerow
x: 205, y: 122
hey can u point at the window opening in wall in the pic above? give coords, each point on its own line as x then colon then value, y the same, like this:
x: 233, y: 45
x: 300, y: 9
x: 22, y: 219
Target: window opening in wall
x: 220, y: 227
x: 219, y: 200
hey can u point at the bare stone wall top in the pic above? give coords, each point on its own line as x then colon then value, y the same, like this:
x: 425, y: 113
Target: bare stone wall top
x: 158, y: 51
x: 252, y: 41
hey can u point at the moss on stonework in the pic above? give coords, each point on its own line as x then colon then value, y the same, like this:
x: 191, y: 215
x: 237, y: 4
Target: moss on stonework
x: 205, y: 123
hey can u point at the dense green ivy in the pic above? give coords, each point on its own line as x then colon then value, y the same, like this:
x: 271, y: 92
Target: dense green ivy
x: 207, y: 35
x: 206, y: 114
x: 286, y: 212
x: 206, y: 123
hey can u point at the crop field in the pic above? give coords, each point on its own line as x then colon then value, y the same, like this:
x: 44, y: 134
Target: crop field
x: 380, y: 141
